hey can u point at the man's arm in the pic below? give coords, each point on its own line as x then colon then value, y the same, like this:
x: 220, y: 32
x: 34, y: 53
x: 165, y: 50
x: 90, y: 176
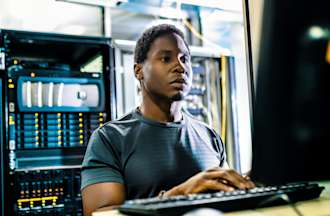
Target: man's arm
x: 100, y: 195
x: 111, y: 194
x: 215, y: 179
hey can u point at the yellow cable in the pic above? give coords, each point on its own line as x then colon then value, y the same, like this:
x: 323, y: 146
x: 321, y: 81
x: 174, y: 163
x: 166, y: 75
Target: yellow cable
x: 192, y: 29
x: 199, y: 35
x: 327, y: 55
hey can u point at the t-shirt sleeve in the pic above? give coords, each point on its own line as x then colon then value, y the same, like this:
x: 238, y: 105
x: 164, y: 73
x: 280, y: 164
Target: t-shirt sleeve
x: 101, y: 161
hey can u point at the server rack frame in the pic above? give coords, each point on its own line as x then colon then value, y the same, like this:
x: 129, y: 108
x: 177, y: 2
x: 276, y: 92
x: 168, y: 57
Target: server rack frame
x: 110, y: 94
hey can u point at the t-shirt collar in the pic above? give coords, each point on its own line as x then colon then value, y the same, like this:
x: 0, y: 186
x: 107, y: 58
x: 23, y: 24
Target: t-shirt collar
x: 139, y: 115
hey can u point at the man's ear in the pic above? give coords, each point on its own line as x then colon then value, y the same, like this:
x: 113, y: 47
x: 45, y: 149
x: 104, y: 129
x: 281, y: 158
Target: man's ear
x: 138, y: 71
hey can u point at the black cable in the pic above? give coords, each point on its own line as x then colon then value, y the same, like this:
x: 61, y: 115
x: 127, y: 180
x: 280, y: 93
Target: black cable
x: 278, y: 197
x: 292, y: 204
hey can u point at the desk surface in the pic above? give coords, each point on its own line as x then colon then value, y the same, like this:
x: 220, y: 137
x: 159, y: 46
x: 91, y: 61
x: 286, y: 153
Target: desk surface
x: 315, y: 207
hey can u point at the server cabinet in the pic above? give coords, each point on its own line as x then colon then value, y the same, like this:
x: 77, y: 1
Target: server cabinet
x: 56, y: 89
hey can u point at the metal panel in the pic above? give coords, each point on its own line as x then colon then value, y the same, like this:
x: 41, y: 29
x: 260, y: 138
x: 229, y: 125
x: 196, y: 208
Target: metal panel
x: 230, y: 116
x: 2, y: 165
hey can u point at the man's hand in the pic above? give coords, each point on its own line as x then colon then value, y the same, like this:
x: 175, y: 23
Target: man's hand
x: 217, y: 179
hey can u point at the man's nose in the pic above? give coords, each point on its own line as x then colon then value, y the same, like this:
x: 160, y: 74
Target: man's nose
x: 180, y: 65
x: 179, y: 69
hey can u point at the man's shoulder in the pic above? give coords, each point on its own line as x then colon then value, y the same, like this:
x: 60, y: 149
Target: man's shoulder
x: 194, y: 121
x: 128, y: 117
x: 124, y: 122
x: 200, y: 126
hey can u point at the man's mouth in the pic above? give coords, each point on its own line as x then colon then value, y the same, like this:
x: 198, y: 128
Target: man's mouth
x: 179, y: 80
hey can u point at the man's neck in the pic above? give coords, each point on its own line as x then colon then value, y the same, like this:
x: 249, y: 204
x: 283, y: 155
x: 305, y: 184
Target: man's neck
x: 162, y: 112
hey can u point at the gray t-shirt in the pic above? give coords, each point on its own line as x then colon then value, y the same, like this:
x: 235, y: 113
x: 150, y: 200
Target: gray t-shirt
x: 148, y: 156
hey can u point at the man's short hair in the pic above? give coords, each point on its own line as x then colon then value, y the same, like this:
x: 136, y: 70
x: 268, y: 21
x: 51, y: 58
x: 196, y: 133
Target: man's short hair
x: 149, y: 36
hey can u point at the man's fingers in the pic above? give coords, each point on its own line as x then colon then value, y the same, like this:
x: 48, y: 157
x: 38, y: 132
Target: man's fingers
x: 229, y: 177
x: 217, y: 186
x: 246, y: 177
x: 234, y: 179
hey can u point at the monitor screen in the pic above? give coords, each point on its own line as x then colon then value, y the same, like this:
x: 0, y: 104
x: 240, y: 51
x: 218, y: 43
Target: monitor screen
x: 291, y: 126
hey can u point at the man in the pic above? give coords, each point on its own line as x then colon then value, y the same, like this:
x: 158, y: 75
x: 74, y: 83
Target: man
x: 157, y: 148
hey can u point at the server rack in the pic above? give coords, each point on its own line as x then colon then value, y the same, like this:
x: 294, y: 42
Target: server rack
x: 56, y: 89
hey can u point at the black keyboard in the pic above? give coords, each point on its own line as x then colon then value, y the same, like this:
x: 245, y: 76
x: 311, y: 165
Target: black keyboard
x: 224, y: 201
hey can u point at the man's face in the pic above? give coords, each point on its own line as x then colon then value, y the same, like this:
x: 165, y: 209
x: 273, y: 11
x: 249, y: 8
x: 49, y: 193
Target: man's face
x: 167, y: 72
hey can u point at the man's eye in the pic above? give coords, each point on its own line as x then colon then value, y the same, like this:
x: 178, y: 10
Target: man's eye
x: 184, y: 59
x: 165, y: 59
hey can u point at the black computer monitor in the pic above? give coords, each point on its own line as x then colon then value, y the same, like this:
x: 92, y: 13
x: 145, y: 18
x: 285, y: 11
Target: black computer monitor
x: 291, y: 119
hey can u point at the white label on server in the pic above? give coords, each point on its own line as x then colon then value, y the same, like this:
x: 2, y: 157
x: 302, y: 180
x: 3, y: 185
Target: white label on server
x: 2, y: 61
